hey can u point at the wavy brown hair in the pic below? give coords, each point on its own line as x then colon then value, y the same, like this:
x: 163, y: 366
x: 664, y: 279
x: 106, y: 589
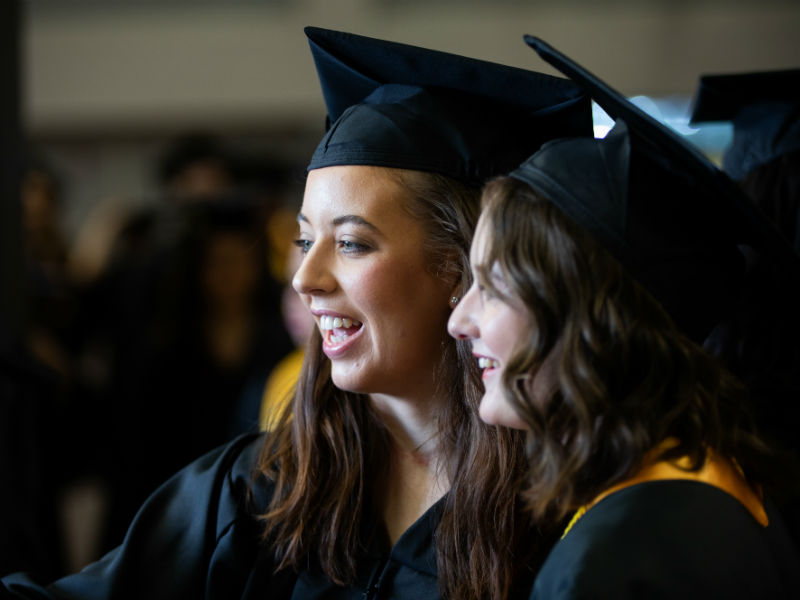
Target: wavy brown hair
x: 326, y: 457
x: 621, y: 377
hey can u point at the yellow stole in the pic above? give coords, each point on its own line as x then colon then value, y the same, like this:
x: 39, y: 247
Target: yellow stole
x: 718, y: 471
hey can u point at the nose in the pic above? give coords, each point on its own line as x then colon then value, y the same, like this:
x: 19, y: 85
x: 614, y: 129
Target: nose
x: 461, y: 324
x: 314, y: 275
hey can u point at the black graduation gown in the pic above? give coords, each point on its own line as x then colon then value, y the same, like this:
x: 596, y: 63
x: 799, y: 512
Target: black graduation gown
x: 671, y: 539
x: 197, y: 537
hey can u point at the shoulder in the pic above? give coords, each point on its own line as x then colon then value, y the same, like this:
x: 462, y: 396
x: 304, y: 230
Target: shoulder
x: 225, y: 486
x: 227, y: 474
x: 666, y: 538
x: 197, y: 534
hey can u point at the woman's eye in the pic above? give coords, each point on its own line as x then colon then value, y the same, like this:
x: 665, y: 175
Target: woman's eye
x: 351, y: 247
x: 487, y: 292
x: 304, y: 245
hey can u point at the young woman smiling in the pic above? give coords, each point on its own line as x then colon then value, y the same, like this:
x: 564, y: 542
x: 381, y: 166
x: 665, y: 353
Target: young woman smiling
x: 592, y: 264
x: 382, y: 452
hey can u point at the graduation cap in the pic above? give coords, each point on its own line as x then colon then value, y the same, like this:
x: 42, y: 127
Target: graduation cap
x: 395, y: 105
x: 656, y: 203
x: 764, y: 108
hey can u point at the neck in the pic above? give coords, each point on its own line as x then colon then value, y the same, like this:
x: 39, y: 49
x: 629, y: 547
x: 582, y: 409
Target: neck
x: 416, y: 476
x: 412, y: 425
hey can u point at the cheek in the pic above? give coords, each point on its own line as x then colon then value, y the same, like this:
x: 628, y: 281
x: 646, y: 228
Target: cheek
x: 396, y: 287
x: 502, y: 334
x: 378, y: 287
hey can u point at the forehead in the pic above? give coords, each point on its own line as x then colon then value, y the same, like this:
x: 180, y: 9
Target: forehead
x: 371, y: 192
x: 481, y: 241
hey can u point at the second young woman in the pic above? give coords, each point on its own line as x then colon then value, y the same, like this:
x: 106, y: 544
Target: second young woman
x: 587, y: 274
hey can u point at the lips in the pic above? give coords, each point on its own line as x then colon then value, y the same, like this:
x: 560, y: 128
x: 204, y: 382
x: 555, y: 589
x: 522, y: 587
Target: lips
x: 338, y: 333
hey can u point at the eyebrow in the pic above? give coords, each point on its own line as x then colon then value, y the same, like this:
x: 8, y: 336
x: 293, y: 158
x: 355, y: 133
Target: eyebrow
x: 353, y: 219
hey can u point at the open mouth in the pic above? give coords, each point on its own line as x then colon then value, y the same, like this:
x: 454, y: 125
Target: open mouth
x: 337, y: 330
x: 487, y: 365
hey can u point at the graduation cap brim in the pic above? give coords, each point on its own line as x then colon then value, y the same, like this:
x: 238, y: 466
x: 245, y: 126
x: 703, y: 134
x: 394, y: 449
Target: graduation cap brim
x: 722, y: 97
x: 395, y: 105
x: 750, y: 226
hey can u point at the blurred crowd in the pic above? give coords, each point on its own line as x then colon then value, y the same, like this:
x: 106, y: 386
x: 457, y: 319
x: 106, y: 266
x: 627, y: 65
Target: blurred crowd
x: 149, y: 341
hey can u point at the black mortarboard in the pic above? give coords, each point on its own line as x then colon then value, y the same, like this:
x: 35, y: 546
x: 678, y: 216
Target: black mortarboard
x: 764, y: 108
x: 396, y: 105
x: 656, y: 203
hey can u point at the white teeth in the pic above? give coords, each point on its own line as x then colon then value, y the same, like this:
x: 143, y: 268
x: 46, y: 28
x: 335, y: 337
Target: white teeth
x: 487, y: 363
x: 329, y: 322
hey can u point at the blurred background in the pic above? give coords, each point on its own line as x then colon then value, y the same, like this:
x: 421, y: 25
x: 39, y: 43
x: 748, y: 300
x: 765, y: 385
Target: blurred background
x: 153, y: 154
x: 105, y: 84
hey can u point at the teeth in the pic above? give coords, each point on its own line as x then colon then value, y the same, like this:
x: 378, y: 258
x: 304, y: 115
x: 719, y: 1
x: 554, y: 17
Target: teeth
x: 328, y: 322
x: 487, y: 363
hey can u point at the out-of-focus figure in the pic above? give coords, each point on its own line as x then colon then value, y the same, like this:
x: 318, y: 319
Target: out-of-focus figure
x: 299, y: 323
x: 758, y: 339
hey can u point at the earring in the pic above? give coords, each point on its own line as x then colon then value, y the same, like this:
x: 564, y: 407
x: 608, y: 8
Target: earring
x: 453, y: 301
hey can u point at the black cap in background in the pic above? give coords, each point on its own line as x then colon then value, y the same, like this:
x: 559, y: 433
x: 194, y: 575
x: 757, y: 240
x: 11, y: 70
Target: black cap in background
x: 764, y: 108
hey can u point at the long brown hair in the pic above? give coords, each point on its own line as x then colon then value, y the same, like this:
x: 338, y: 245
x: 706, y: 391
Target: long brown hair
x: 623, y: 378
x: 325, y: 455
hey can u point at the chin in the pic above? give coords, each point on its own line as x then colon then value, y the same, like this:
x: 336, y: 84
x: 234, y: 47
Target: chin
x: 350, y: 382
x: 346, y: 384
x: 502, y: 415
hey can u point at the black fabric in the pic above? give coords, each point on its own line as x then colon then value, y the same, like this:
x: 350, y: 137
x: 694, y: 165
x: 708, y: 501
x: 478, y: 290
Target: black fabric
x: 671, y: 539
x: 198, y: 537
x: 401, y: 106
x: 764, y: 108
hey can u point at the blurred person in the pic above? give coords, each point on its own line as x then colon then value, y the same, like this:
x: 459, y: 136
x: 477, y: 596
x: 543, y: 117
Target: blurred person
x: 30, y: 533
x: 192, y: 166
x: 282, y: 380
x: 50, y: 297
x: 764, y: 155
x: 118, y: 254
x: 127, y: 265
x: 758, y: 340
x: 203, y: 357
x: 195, y: 166
x: 41, y: 214
x: 52, y: 305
